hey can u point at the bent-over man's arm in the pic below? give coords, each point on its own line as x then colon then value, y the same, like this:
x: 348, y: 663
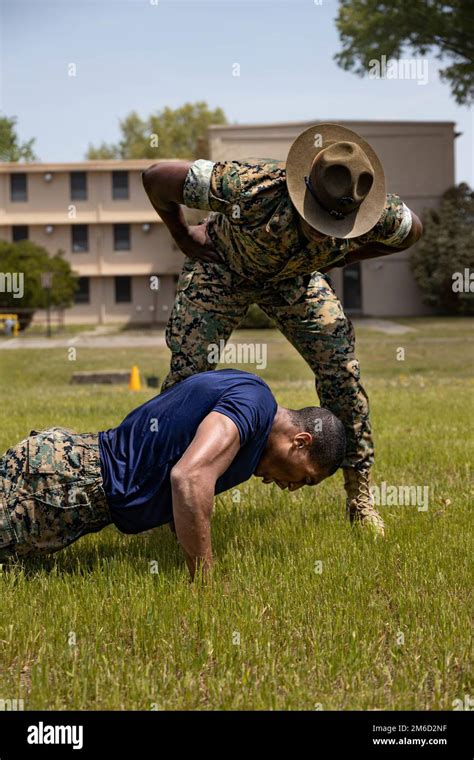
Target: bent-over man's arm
x: 380, y: 247
x: 164, y: 184
x: 193, y: 481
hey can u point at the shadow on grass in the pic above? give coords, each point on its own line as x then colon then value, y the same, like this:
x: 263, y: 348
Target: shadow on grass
x: 99, y: 552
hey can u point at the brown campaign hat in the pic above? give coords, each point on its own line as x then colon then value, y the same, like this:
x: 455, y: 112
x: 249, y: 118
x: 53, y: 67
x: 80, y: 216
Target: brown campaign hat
x: 335, y: 181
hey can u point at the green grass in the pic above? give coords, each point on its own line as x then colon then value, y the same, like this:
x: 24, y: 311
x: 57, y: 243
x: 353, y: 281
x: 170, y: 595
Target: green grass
x: 308, y: 640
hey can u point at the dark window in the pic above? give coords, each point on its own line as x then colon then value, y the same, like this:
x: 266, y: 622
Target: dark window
x: 121, y: 237
x: 19, y: 232
x: 78, y: 182
x: 82, y: 294
x: 18, y: 187
x: 123, y: 289
x: 80, y: 238
x: 352, y: 287
x: 119, y: 186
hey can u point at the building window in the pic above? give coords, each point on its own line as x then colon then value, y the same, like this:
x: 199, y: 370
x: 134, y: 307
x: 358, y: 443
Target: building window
x: 121, y: 237
x: 120, y: 186
x: 19, y: 232
x: 80, y: 238
x: 123, y: 290
x: 78, y: 186
x: 82, y: 294
x: 18, y: 187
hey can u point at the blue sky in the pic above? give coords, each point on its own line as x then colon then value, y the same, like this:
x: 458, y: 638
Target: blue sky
x: 145, y: 54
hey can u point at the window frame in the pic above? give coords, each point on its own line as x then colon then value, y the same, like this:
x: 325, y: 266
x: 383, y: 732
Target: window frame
x: 75, y: 227
x: 123, y: 277
x: 72, y: 190
x: 116, y: 191
x: 16, y: 175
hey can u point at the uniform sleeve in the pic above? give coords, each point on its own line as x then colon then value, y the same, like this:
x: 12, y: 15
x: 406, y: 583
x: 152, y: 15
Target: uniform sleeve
x: 252, y: 408
x: 197, y: 183
x: 239, y: 189
x: 393, y: 226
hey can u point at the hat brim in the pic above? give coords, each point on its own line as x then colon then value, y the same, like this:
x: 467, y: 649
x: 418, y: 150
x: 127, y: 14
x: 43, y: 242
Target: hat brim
x: 298, y: 165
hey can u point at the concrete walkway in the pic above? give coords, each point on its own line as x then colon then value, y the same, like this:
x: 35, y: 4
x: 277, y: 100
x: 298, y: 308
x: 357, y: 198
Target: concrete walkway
x: 107, y: 337
x: 383, y: 325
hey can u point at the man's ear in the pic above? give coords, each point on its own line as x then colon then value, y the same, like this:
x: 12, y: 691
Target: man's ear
x: 302, y: 440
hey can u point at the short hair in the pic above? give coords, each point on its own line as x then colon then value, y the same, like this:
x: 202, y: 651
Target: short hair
x: 328, y: 448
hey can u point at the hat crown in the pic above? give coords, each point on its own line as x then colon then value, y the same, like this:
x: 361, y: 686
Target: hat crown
x: 341, y: 176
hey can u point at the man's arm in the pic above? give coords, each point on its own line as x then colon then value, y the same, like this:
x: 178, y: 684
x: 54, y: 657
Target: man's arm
x: 376, y: 249
x: 193, y: 481
x: 163, y: 184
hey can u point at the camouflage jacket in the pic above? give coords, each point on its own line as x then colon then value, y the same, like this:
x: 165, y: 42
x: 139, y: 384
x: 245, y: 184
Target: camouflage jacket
x: 253, y: 223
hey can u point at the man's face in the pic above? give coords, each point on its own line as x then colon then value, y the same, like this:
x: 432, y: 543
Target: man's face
x: 290, y: 466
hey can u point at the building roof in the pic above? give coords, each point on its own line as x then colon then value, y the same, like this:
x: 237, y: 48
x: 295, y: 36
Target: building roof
x: 309, y: 122
x: 89, y: 166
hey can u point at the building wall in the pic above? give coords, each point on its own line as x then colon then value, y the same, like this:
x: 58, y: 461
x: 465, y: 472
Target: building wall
x: 152, y: 252
x: 418, y: 159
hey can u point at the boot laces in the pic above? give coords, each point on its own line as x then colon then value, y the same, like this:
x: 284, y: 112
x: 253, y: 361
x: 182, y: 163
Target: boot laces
x: 364, y: 497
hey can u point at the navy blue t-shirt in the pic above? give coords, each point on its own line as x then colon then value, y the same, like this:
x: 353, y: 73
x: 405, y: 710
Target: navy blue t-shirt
x: 138, y: 455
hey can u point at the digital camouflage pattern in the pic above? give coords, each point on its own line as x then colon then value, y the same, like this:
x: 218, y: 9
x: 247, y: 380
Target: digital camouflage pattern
x: 210, y: 302
x: 253, y: 223
x: 264, y: 259
x: 51, y: 492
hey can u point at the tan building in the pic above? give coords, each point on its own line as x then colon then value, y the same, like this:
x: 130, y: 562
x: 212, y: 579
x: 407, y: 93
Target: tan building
x: 98, y: 213
x: 418, y: 158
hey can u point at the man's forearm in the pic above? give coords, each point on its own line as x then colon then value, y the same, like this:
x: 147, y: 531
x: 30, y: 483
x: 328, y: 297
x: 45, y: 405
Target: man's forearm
x: 369, y: 251
x: 175, y: 221
x: 192, y: 509
x: 169, y: 209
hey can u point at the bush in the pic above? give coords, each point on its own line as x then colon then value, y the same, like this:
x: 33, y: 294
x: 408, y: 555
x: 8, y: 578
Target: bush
x: 445, y: 251
x: 30, y: 261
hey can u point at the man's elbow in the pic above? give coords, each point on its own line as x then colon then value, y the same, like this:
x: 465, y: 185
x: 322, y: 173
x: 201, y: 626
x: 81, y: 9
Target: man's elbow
x: 149, y: 176
x: 417, y: 228
x: 193, y: 484
x: 185, y: 480
x: 414, y: 235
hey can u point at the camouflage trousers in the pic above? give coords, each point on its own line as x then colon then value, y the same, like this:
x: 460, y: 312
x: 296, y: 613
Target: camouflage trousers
x: 210, y: 302
x: 51, y: 492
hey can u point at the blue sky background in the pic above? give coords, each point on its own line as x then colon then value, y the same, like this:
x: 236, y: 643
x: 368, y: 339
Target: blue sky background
x: 135, y: 55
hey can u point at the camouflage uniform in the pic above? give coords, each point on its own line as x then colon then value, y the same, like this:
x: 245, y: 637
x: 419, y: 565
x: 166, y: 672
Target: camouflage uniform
x: 51, y: 492
x: 265, y: 260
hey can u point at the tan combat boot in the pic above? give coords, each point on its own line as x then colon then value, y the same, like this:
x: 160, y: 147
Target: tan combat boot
x: 360, y: 502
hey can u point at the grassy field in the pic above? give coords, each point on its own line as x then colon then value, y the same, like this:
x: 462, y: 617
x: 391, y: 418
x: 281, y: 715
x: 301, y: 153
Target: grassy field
x: 385, y: 625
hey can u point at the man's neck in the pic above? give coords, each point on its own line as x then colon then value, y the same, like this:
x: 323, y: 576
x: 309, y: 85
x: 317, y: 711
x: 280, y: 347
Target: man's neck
x: 308, y: 232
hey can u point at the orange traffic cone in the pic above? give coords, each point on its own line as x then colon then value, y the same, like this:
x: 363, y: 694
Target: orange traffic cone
x: 134, y: 383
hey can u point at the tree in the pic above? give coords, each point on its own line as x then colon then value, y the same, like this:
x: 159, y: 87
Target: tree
x: 372, y: 28
x: 170, y: 133
x: 28, y: 260
x: 10, y: 148
x: 443, y: 260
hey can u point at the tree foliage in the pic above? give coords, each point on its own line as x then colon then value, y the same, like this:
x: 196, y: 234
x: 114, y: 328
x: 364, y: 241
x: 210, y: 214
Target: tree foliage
x: 169, y: 133
x: 31, y: 260
x: 446, y: 251
x: 372, y: 28
x: 10, y: 147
